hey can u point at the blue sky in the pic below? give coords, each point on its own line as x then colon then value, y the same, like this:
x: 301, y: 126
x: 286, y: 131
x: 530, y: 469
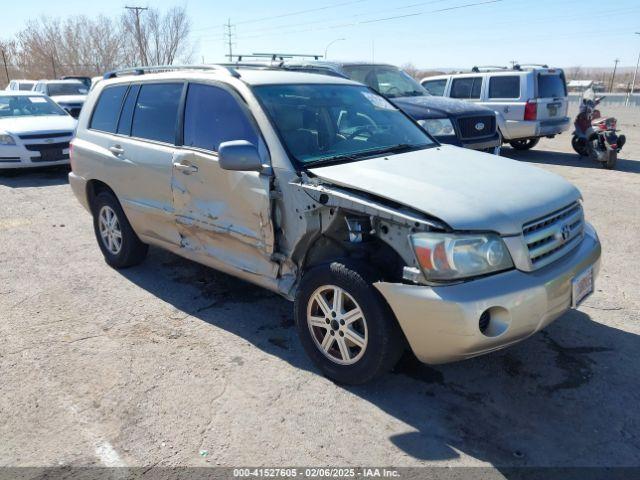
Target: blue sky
x: 559, y: 32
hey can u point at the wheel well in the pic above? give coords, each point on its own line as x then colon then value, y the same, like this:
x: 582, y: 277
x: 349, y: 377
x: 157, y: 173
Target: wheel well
x: 374, y: 253
x: 94, y: 188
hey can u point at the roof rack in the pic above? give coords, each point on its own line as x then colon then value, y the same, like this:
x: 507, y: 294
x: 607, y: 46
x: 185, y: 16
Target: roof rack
x: 487, y: 68
x: 273, y: 56
x: 169, y: 68
x: 519, y: 66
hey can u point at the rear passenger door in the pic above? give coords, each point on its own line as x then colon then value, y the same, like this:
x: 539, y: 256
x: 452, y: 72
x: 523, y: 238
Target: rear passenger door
x: 222, y: 216
x: 466, y: 88
x: 136, y: 128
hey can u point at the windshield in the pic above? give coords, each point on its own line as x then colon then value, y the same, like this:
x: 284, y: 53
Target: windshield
x: 550, y: 86
x: 389, y: 81
x: 330, y: 123
x: 28, y: 106
x: 54, y: 89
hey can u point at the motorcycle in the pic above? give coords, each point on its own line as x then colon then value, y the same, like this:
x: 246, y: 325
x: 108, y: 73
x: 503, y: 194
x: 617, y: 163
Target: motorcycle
x: 596, y: 136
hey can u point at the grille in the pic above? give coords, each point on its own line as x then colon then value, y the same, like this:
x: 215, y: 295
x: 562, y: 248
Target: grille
x: 38, y: 136
x: 468, y: 125
x: 49, y: 152
x: 39, y: 147
x: 553, y: 236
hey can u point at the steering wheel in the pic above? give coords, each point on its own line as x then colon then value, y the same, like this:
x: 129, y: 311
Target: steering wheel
x: 393, y: 91
x: 359, y: 131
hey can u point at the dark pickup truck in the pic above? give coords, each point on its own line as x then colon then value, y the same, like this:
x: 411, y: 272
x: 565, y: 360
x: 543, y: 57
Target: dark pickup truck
x: 454, y: 122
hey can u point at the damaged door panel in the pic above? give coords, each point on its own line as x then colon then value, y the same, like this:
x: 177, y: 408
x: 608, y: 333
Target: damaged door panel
x: 223, y: 214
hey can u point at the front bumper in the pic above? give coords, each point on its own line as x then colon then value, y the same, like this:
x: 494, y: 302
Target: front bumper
x: 441, y: 324
x: 18, y: 156
x: 484, y: 143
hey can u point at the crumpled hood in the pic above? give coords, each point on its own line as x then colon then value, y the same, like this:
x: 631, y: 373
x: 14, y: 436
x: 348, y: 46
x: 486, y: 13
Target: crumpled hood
x: 35, y: 124
x: 468, y: 190
x: 69, y: 98
x: 430, y: 106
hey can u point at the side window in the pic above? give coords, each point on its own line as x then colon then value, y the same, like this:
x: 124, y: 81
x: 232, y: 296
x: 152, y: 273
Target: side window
x: 213, y: 116
x: 435, y: 87
x: 107, y: 111
x: 124, y: 125
x: 466, y: 88
x: 156, y: 112
x: 504, y: 87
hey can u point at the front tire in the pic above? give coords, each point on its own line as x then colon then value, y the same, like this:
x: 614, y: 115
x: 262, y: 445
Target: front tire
x: 579, y: 146
x: 526, y: 144
x: 120, y: 245
x: 612, y: 159
x: 345, y: 325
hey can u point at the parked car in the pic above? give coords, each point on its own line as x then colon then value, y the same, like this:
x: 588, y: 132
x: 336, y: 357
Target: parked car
x: 34, y: 131
x: 21, y: 85
x: 85, y: 80
x: 383, y: 237
x: 69, y: 94
x: 453, y: 122
x: 531, y: 101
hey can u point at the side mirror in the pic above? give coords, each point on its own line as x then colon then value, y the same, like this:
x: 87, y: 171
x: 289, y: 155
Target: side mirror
x: 239, y: 155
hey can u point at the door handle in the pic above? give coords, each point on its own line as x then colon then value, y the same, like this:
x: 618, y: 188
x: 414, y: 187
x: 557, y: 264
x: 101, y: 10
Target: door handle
x: 116, y: 150
x: 186, y: 169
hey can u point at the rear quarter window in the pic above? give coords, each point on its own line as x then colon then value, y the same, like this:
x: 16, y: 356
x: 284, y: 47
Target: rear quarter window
x: 504, y: 87
x: 156, y: 113
x: 107, y: 111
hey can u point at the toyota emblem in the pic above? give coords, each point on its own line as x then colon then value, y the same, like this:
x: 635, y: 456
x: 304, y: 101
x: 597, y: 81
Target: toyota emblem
x: 479, y: 126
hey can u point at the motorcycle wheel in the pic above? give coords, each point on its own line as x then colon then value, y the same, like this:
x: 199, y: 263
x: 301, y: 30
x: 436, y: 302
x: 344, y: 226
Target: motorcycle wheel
x: 526, y: 144
x: 579, y: 145
x: 612, y: 158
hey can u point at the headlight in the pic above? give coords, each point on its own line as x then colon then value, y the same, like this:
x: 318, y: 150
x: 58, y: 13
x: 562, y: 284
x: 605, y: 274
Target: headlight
x: 438, y: 127
x: 6, y: 139
x: 450, y: 257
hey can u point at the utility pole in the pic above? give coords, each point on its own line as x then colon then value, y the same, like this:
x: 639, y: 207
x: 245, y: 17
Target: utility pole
x: 633, y: 83
x: 613, y: 77
x: 143, y: 53
x: 229, y: 36
x: 53, y: 64
x: 6, y: 69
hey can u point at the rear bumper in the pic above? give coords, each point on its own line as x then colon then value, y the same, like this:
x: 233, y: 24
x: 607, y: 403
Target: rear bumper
x: 441, y: 323
x: 515, y: 130
x: 79, y: 187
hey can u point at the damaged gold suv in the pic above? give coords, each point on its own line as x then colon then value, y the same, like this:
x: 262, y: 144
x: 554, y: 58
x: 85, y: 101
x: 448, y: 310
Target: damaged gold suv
x: 319, y: 189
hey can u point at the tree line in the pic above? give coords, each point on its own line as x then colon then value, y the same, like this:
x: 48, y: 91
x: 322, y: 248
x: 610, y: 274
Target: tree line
x: 79, y: 45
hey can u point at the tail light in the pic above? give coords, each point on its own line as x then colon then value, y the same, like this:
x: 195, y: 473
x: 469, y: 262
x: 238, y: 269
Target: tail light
x: 531, y: 111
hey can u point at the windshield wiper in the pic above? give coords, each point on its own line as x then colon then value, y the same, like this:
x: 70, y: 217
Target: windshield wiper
x: 398, y: 148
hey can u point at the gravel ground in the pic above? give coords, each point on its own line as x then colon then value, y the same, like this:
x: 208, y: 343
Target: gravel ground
x: 170, y: 363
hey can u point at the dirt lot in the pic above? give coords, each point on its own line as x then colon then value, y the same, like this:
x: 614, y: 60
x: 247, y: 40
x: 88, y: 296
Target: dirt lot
x: 170, y: 363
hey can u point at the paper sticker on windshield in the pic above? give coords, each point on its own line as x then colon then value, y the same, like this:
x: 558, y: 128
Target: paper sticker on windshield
x: 38, y: 100
x: 378, y: 101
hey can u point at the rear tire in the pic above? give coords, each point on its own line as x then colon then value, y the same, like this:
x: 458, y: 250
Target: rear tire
x: 526, y: 144
x: 580, y: 146
x: 354, y: 339
x: 120, y: 245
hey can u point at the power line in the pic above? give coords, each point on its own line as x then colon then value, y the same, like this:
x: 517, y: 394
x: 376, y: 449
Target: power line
x: 143, y: 53
x: 229, y: 36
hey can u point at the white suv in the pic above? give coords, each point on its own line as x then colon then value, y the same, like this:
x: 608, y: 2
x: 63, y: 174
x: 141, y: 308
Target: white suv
x: 530, y: 101
x: 318, y: 188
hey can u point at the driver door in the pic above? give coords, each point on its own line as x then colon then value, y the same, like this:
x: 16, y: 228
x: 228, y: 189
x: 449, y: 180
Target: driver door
x: 223, y: 217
